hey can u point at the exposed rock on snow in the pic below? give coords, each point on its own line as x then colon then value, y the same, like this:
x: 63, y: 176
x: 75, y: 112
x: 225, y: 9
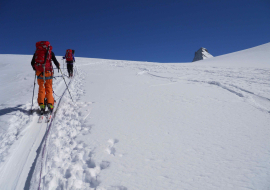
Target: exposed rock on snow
x: 201, y: 54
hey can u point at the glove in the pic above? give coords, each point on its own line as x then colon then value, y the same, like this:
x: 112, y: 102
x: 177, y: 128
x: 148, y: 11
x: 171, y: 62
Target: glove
x: 64, y: 58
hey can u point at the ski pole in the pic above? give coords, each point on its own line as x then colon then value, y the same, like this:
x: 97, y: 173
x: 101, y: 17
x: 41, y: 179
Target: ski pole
x: 33, y: 92
x: 66, y: 84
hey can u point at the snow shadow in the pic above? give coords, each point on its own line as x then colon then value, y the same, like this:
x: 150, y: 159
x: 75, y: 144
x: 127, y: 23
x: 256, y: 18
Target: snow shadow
x: 6, y: 111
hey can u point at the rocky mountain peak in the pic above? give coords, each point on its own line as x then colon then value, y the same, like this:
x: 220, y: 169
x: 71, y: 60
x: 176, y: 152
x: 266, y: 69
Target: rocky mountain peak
x: 201, y: 54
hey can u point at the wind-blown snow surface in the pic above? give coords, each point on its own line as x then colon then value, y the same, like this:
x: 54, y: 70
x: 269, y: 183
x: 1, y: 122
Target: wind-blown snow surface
x: 140, y: 125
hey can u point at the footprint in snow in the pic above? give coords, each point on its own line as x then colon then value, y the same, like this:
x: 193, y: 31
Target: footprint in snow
x: 110, y: 149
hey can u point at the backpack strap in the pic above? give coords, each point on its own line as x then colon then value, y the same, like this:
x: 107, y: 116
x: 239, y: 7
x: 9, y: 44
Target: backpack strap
x: 46, y: 78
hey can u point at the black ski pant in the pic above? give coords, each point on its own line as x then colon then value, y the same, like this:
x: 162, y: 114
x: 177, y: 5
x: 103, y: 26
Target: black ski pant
x: 70, y: 68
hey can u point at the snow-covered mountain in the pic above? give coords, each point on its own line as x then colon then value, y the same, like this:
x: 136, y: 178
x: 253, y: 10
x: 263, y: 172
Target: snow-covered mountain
x: 140, y: 125
x: 202, y: 54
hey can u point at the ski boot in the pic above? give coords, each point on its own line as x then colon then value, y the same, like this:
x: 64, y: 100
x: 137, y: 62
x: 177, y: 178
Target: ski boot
x: 42, y: 109
x: 50, y: 107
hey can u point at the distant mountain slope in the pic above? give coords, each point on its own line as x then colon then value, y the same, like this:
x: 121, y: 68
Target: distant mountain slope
x: 259, y: 55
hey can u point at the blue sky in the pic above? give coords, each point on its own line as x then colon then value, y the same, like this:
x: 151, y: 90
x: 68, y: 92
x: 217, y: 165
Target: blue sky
x: 142, y: 30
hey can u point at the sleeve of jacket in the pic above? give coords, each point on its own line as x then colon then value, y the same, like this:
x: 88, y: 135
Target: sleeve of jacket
x: 33, y: 62
x: 55, y: 61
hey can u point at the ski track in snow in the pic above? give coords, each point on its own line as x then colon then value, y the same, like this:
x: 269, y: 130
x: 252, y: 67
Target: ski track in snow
x: 69, y: 163
x: 254, y: 79
x: 18, y: 124
x: 23, y: 130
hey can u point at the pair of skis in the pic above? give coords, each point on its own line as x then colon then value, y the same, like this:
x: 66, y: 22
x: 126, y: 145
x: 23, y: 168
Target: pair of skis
x: 47, y: 117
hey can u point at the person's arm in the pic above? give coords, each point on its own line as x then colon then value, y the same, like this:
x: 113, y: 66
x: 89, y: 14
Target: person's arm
x: 55, y: 61
x: 73, y: 58
x: 33, y: 62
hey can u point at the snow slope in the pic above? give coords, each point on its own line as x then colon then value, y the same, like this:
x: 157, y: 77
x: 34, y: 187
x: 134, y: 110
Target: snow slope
x: 141, y: 125
x: 253, y: 57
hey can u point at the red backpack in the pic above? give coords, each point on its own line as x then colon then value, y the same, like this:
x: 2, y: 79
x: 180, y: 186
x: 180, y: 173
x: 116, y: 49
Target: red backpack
x: 69, y: 55
x: 43, y: 48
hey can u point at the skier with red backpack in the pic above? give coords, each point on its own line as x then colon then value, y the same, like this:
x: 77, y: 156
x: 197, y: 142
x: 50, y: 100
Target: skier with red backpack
x: 69, y: 60
x: 41, y: 63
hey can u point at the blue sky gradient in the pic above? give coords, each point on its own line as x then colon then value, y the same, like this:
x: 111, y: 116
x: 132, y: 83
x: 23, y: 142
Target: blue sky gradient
x: 142, y: 30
